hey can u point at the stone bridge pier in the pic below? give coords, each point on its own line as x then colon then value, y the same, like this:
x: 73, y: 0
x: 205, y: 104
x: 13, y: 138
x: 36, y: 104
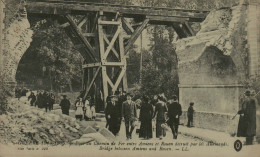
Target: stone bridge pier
x: 214, y: 64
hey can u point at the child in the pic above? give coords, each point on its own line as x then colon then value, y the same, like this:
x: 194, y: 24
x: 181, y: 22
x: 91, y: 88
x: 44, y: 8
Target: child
x: 190, y: 115
x: 93, y: 111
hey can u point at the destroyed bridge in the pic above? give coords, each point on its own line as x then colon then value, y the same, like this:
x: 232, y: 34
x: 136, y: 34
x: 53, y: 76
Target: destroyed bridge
x: 106, y: 32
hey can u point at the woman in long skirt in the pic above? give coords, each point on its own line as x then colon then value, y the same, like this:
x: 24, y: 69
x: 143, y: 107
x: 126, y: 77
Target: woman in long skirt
x: 88, y: 113
x: 160, y: 110
x: 79, y: 109
x: 146, y: 115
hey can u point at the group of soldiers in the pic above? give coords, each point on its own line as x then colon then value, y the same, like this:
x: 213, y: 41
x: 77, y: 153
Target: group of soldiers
x: 42, y: 99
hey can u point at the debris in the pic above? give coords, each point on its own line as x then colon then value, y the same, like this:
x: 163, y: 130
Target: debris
x: 82, y: 141
x: 30, y: 125
x: 106, y: 133
x: 96, y: 137
x: 89, y: 130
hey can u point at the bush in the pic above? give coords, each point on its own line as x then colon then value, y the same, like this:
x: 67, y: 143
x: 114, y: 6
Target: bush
x: 5, y: 92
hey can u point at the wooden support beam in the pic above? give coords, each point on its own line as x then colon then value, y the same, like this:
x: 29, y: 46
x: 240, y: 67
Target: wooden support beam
x: 135, y: 35
x: 104, y: 80
x: 102, y: 51
x: 110, y: 82
x: 179, y: 31
x: 125, y: 86
x: 123, y: 59
x: 91, y: 83
x: 127, y: 26
x: 167, y: 19
x: 113, y: 63
x: 91, y: 65
x: 108, y: 23
x: 111, y: 44
x: 83, y: 39
x: 89, y: 34
x: 113, y: 49
x: 94, y: 26
x: 189, y: 28
x: 65, y: 25
x: 119, y: 79
x: 82, y: 21
x: 67, y: 7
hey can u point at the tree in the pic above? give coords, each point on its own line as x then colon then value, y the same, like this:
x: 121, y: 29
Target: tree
x: 51, y: 57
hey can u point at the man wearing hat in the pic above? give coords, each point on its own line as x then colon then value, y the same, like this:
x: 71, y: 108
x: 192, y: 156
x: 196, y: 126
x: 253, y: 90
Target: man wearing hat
x: 65, y: 105
x: 129, y: 114
x: 174, y: 113
x: 113, y: 115
x: 247, y: 119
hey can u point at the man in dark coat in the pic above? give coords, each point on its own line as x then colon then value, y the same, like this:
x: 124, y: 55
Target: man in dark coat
x: 113, y: 115
x: 174, y: 113
x: 129, y: 113
x: 33, y: 98
x: 65, y: 105
x: 247, y: 120
x: 159, y: 112
x: 41, y: 100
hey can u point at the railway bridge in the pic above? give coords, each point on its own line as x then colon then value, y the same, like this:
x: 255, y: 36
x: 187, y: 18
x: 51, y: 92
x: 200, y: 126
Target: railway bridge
x: 213, y: 64
x: 104, y: 34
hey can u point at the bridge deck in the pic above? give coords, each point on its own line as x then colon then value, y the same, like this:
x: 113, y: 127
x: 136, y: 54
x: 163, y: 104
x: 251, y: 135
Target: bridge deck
x: 80, y: 7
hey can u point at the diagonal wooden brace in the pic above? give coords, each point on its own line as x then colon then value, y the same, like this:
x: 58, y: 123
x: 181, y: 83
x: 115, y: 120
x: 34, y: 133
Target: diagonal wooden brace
x: 91, y: 83
x: 127, y: 26
x: 112, y: 43
x: 135, y: 35
x: 119, y: 78
x: 81, y: 36
x: 113, y: 49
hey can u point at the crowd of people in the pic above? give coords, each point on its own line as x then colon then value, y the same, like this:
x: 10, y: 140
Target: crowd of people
x: 165, y: 112
x: 43, y: 99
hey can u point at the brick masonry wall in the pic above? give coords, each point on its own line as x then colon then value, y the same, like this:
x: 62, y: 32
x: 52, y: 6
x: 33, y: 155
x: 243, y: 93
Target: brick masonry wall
x: 253, y: 29
x: 2, y: 26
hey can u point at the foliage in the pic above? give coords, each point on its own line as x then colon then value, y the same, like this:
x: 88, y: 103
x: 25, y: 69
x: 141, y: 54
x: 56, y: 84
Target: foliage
x: 155, y: 81
x: 53, y: 55
x: 5, y: 92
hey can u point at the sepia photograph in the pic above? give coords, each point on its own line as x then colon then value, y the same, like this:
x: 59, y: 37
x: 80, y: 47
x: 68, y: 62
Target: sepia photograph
x: 129, y: 78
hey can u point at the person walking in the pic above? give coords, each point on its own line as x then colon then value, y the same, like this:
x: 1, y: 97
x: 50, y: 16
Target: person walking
x: 190, y: 115
x: 33, y: 98
x: 146, y: 116
x: 247, y: 119
x: 65, y: 105
x: 79, y: 109
x: 160, y: 110
x: 113, y: 115
x: 174, y: 114
x: 130, y: 115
